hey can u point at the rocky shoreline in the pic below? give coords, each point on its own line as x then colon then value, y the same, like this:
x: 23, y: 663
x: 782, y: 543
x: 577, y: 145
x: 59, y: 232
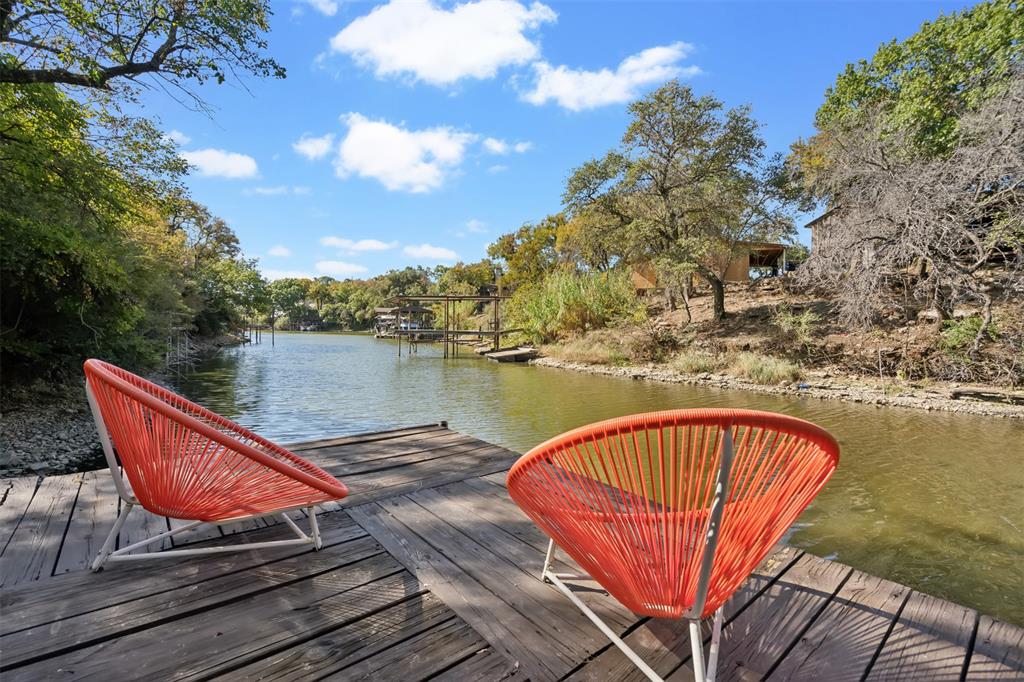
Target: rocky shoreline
x: 818, y: 385
x: 52, y: 432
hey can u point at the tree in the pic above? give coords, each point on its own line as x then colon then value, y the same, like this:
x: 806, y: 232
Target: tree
x: 933, y: 227
x: 688, y: 186
x: 95, y: 44
x: 527, y: 254
x: 919, y: 88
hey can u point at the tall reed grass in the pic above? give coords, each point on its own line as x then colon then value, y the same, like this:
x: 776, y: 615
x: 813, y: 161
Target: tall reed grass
x: 565, y: 303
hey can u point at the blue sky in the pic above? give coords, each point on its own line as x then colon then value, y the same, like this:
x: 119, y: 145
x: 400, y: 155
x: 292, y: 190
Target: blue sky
x: 416, y: 132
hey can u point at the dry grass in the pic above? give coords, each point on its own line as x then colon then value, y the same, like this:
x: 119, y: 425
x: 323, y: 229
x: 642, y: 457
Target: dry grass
x: 762, y: 369
x: 698, y: 362
x: 587, y: 350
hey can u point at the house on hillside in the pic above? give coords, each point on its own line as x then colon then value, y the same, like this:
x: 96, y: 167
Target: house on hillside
x: 764, y: 258
x: 821, y: 226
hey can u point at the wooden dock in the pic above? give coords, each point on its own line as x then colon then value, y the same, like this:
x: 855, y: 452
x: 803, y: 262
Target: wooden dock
x: 428, y: 571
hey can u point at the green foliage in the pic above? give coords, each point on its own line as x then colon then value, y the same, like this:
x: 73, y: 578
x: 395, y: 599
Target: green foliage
x: 566, y: 303
x: 689, y: 184
x: 958, y: 335
x: 103, y: 43
x: 926, y: 83
x: 796, y: 327
x: 762, y: 369
x: 527, y: 254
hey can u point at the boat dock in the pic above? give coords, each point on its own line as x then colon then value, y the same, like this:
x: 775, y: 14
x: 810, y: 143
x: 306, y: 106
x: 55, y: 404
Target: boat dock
x: 428, y: 572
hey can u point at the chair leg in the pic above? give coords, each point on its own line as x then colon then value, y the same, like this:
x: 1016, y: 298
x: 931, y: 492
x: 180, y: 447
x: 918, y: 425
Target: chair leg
x: 697, y: 649
x: 702, y: 673
x: 603, y: 627
x: 314, y: 529
x: 549, y: 558
x: 716, y: 638
x: 108, y: 544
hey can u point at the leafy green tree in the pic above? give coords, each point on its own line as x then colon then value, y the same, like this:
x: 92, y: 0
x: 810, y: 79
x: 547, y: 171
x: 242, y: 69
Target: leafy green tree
x: 689, y: 186
x: 104, y: 43
x: 529, y: 253
x: 918, y: 89
x: 928, y: 81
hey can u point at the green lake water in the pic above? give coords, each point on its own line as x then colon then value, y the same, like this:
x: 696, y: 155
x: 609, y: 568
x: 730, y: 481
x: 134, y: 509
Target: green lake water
x: 931, y: 500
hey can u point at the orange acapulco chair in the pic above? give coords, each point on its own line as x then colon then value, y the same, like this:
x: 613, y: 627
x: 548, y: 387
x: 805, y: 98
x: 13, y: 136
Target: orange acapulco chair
x: 671, y: 511
x: 185, y: 462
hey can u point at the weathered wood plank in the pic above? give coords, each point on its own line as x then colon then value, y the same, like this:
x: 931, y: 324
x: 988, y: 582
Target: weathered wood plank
x: 140, y: 525
x: 665, y: 644
x: 307, y: 445
x: 505, y: 555
x: 522, y: 592
x: 405, y: 459
x: 91, y: 520
x: 380, y: 450
x: 215, y: 642
x: 15, y: 495
x: 337, y: 650
x: 998, y: 651
x: 74, y: 594
x: 845, y: 637
x: 929, y: 641
x: 765, y: 630
x: 33, y: 549
x: 371, y: 487
x: 120, y: 619
x: 485, y: 666
x: 505, y: 629
x: 422, y: 655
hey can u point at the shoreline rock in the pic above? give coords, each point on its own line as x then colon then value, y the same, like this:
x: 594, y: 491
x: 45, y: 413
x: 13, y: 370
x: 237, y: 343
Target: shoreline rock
x: 52, y: 432
x: 821, y: 387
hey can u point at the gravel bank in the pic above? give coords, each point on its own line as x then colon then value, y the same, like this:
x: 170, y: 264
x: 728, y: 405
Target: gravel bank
x: 51, y: 431
x: 815, y: 386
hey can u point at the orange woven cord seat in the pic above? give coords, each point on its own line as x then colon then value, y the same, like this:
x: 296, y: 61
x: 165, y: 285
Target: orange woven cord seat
x: 186, y: 462
x: 633, y: 502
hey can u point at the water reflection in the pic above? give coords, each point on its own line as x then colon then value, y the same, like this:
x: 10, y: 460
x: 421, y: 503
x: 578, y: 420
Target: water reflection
x: 931, y: 500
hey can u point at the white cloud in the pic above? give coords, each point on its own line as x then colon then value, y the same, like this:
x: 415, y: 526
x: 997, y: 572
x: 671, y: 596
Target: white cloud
x: 271, y: 274
x: 579, y: 89
x: 279, y: 251
x: 266, y: 191
x: 357, y: 246
x: 276, y: 190
x: 222, y: 164
x: 400, y: 159
x: 339, y: 268
x: 501, y: 147
x: 314, y: 148
x: 177, y: 137
x: 496, y: 146
x: 497, y: 168
x: 441, y: 46
x: 430, y: 252
x: 476, y: 226
x: 326, y: 7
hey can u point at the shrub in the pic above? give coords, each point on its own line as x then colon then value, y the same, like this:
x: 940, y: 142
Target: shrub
x: 697, y: 362
x: 799, y: 328
x: 649, y: 343
x: 566, y: 303
x: 762, y: 369
x: 958, y: 335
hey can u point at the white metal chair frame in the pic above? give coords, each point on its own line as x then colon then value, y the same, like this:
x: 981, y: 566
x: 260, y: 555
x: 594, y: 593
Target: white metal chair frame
x: 693, y: 615
x: 129, y: 502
